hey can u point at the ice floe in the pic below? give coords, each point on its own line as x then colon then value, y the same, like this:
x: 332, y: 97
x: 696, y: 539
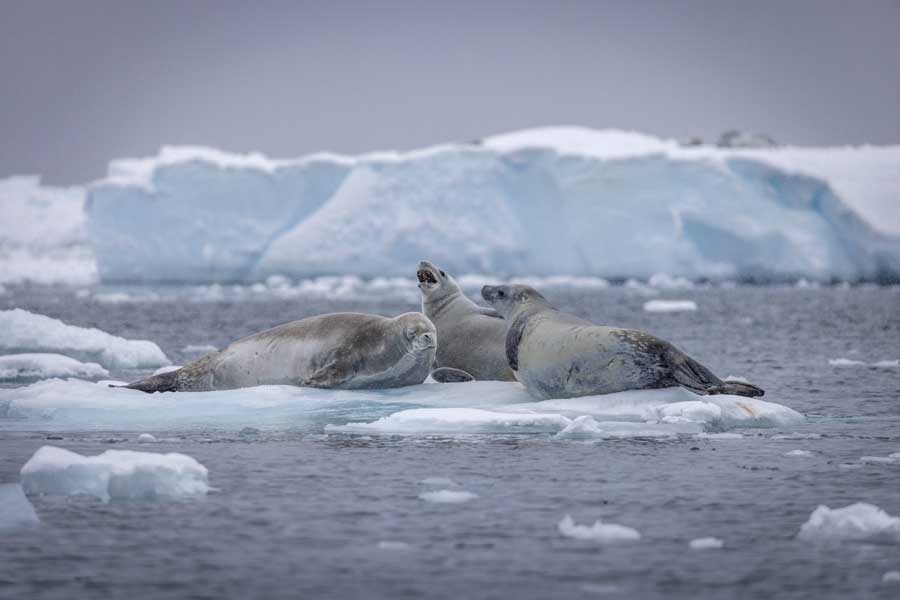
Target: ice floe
x: 15, y: 509
x: 31, y: 366
x: 891, y: 577
x: 473, y: 407
x: 849, y: 362
x: 667, y: 306
x: 26, y: 332
x: 448, y: 496
x: 799, y: 453
x: 857, y: 522
x: 114, y: 474
x: 605, y: 533
x: 706, y: 543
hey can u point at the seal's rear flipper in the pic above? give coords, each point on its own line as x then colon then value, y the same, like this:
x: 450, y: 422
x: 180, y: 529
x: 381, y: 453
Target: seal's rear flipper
x: 450, y: 375
x: 737, y: 388
x: 164, y: 382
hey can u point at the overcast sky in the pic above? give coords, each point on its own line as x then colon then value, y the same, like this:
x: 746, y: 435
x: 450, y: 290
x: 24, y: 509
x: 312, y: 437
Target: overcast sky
x: 84, y: 81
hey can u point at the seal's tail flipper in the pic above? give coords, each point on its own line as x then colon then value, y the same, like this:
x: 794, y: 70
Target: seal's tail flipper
x: 450, y: 375
x: 164, y: 382
x: 737, y: 388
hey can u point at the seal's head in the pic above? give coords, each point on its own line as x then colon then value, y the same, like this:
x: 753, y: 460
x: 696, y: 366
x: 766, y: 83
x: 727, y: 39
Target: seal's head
x: 506, y: 298
x: 418, y: 331
x: 434, y: 283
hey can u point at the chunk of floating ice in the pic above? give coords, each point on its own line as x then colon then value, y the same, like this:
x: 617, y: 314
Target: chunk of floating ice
x: 887, y: 364
x: 857, y: 522
x: 877, y: 460
x: 799, y: 453
x: 113, y: 474
x: 472, y: 407
x: 146, y: 437
x: 796, y: 436
x: 15, y: 509
x: 448, y: 496
x: 586, y: 427
x: 445, y: 481
x: 391, y: 545
x: 845, y: 362
x: 891, y: 577
x: 666, y: 306
x: 719, y: 436
x: 707, y: 543
x: 27, y: 367
x: 601, y: 532
x: 29, y: 332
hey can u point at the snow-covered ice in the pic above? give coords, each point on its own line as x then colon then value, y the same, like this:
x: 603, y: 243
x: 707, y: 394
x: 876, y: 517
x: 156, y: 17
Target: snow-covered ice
x: 114, y: 474
x: 706, y: 543
x: 530, y: 202
x: 448, y: 496
x: 604, y: 533
x: 458, y: 408
x: 891, y: 577
x: 666, y: 306
x: 720, y: 436
x: 798, y: 453
x: 30, y: 366
x: 26, y: 332
x: 857, y: 522
x: 15, y: 509
x: 146, y: 437
x: 845, y: 362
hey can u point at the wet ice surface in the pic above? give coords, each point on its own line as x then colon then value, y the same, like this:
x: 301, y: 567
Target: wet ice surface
x: 296, y: 512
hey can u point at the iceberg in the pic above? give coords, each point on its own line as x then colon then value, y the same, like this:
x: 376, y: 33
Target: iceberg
x: 453, y: 408
x: 27, y: 332
x: 26, y: 367
x: 114, y: 474
x: 605, y: 533
x: 544, y: 202
x: 859, y: 522
x: 15, y: 509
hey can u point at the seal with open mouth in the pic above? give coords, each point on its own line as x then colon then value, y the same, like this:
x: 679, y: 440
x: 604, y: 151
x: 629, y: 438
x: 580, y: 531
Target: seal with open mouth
x: 339, y: 350
x: 470, y: 337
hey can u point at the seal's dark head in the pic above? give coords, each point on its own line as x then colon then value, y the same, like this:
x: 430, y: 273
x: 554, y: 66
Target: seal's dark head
x: 505, y: 298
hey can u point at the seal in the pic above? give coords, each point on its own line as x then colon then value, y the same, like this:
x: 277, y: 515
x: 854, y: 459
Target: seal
x: 471, y: 337
x: 339, y: 351
x: 557, y: 355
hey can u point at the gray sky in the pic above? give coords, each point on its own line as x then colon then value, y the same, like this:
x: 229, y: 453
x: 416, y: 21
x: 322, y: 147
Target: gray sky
x: 85, y: 81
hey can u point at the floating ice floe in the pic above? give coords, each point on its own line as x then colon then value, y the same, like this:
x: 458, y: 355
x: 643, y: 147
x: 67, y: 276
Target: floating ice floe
x: 719, y: 436
x: 392, y: 545
x: 799, y: 453
x: 604, y: 533
x: 15, y: 509
x: 453, y: 408
x: 31, y: 366
x: 706, y: 543
x: 146, y: 437
x: 448, y: 496
x: 891, y: 577
x: 667, y: 306
x: 848, y: 362
x: 891, y: 459
x: 114, y: 474
x: 857, y: 522
x: 26, y: 332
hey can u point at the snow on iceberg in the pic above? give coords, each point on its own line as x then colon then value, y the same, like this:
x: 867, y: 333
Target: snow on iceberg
x: 43, y: 234
x: 857, y: 522
x: 26, y: 367
x: 15, y: 509
x: 475, y: 407
x: 26, y: 332
x: 557, y: 201
x: 114, y: 474
x: 605, y: 533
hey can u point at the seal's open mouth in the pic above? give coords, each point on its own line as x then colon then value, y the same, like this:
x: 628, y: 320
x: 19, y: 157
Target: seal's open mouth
x: 425, y: 276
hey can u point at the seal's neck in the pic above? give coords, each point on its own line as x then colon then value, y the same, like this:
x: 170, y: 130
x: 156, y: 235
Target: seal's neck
x: 526, y: 309
x: 433, y: 308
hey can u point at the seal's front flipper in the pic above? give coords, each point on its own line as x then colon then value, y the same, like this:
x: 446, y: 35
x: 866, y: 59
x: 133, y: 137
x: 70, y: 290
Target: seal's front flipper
x: 489, y: 312
x: 450, y: 375
x: 334, y: 372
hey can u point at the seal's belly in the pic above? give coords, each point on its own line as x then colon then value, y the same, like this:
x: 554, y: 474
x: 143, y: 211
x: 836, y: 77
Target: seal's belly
x: 256, y: 362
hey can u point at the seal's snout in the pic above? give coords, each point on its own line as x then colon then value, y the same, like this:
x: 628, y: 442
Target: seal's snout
x: 426, y: 273
x: 493, y: 293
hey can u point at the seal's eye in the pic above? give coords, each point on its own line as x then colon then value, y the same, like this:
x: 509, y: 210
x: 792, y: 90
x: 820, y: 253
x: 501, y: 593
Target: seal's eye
x: 501, y: 294
x: 443, y: 274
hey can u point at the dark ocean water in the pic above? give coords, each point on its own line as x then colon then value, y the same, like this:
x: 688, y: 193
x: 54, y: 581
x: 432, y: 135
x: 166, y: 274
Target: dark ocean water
x: 304, y: 514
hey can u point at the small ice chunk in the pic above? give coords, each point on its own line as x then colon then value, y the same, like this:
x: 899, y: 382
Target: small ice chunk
x: 668, y: 282
x: 113, y: 474
x: 167, y: 369
x: 845, y: 362
x: 15, y: 509
x: 887, y: 364
x: 448, y: 496
x: 30, y: 366
x: 444, y: 481
x: 719, y: 436
x: 667, y: 306
x: 857, y: 522
x: 797, y: 436
x: 599, y: 531
x: 799, y: 453
x: 877, y: 460
x: 586, y: 427
x: 706, y: 543
x: 392, y: 545
x: 891, y: 577
x: 146, y: 437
